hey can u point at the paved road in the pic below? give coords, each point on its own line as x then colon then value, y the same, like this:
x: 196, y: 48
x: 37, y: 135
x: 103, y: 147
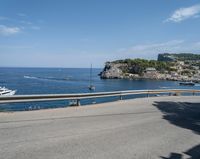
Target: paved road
x: 150, y: 128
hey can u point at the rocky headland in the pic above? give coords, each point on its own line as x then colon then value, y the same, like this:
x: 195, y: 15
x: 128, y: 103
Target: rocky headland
x: 178, y: 67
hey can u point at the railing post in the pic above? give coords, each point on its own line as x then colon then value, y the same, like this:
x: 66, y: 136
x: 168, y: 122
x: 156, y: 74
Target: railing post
x: 120, y: 97
x: 78, y: 103
x: 147, y: 94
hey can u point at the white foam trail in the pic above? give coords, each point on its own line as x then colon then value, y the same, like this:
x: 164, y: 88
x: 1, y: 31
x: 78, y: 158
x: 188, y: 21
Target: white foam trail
x: 48, y: 78
x: 30, y: 77
x: 164, y: 87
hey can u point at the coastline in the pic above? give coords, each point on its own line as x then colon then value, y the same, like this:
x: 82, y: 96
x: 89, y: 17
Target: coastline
x: 114, y: 72
x: 171, y: 67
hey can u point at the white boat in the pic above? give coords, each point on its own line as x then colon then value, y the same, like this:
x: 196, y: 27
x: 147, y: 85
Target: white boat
x: 187, y: 83
x: 5, y: 91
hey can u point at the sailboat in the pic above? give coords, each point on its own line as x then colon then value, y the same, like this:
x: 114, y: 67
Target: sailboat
x: 91, y: 87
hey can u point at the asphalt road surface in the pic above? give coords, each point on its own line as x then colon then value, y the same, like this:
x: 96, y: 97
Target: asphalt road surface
x: 147, y: 128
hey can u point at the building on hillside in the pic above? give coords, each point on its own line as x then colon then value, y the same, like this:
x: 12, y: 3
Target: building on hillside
x: 174, y: 74
x: 131, y: 75
x: 151, y: 73
x: 195, y: 67
x: 181, y: 63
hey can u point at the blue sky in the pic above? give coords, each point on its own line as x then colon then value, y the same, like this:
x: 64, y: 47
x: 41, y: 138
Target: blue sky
x: 76, y: 33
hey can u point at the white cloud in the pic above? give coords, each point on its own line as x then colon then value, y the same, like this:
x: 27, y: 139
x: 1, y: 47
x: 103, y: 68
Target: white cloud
x: 15, y: 47
x: 24, y: 25
x: 35, y: 27
x: 197, y: 44
x: 157, y: 46
x: 29, y: 25
x: 153, y: 49
x: 22, y: 15
x: 3, y: 18
x: 84, y: 39
x: 25, y: 22
x: 6, y: 31
x: 184, y: 13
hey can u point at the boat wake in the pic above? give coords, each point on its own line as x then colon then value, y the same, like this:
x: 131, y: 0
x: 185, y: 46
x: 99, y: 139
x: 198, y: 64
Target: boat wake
x: 31, y: 77
x: 49, y: 78
x: 164, y: 87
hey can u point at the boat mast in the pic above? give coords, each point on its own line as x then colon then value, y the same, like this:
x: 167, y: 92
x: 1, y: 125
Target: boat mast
x: 91, y: 75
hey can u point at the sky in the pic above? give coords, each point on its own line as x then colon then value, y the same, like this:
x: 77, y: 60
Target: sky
x: 76, y: 33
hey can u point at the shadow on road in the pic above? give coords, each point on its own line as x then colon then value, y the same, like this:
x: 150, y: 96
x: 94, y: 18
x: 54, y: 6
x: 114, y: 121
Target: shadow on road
x: 173, y: 156
x: 185, y: 115
x: 194, y: 153
x: 182, y: 114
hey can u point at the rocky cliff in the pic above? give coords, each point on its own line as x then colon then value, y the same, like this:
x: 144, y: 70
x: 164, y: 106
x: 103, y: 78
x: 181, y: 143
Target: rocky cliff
x: 163, y: 68
x: 111, y: 71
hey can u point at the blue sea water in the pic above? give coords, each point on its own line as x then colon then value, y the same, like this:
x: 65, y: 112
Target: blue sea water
x: 68, y: 80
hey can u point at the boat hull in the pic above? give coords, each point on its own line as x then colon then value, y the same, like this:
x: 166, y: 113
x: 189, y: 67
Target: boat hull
x: 9, y: 93
x: 186, y: 84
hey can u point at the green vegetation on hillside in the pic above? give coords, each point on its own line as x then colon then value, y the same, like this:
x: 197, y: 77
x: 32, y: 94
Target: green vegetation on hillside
x: 138, y: 66
x: 187, y: 56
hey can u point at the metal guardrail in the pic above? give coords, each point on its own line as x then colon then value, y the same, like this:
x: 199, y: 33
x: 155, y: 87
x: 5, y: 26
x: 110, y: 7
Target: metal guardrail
x: 78, y: 97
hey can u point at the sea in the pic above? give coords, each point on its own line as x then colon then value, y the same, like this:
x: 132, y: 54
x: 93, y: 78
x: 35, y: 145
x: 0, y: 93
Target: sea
x: 29, y: 81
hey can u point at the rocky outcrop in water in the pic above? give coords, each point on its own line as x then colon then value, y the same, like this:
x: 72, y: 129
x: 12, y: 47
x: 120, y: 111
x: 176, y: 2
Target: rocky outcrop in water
x: 178, y: 67
x: 111, y: 71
